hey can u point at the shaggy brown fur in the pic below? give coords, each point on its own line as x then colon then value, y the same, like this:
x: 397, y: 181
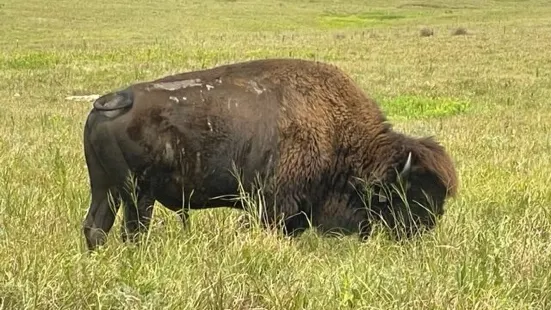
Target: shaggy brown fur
x: 304, y: 127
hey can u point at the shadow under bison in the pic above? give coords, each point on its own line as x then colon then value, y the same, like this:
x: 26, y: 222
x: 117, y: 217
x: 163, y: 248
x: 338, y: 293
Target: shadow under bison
x: 322, y: 150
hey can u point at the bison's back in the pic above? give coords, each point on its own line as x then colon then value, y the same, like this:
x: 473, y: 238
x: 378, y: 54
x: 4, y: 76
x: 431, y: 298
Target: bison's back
x: 284, y: 117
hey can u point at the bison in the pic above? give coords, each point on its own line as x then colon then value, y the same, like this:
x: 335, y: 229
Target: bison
x: 320, y: 149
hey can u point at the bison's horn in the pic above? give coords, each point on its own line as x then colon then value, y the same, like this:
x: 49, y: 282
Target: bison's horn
x: 404, y: 174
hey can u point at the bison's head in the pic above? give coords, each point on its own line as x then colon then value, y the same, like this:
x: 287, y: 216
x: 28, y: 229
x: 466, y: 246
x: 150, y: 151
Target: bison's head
x: 410, y: 199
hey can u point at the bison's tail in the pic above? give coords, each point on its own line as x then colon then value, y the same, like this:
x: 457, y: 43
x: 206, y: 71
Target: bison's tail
x: 115, y: 101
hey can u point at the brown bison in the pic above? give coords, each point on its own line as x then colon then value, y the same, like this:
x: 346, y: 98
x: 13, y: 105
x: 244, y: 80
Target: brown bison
x: 316, y: 142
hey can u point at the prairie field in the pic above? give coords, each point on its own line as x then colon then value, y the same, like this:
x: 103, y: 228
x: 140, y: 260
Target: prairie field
x: 474, y: 74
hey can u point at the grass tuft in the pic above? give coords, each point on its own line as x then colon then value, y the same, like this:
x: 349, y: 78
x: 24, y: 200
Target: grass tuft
x: 459, y: 32
x: 426, y: 32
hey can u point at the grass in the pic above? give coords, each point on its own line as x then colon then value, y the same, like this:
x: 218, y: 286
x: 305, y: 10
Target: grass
x: 485, y: 96
x: 409, y: 107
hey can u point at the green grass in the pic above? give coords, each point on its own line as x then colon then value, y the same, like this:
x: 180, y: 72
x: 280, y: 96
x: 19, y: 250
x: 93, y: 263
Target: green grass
x: 416, y: 107
x: 485, y: 96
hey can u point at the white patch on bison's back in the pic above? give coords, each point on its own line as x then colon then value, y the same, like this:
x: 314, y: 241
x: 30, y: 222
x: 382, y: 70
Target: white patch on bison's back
x: 175, y: 85
x: 256, y: 87
x: 230, y: 101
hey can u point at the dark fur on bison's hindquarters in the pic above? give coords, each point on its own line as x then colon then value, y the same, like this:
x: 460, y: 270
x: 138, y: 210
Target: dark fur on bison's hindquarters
x: 303, y: 127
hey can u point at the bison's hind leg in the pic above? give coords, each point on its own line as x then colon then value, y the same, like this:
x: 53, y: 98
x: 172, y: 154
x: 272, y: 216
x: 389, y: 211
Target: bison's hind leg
x: 103, y: 206
x: 109, y: 176
x: 100, y: 217
x: 138, y: 210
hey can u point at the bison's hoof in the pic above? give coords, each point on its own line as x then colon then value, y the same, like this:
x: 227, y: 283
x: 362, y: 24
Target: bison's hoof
x: 95, y: 237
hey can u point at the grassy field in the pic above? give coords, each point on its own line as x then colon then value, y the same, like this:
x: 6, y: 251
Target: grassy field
x: 485, y: 95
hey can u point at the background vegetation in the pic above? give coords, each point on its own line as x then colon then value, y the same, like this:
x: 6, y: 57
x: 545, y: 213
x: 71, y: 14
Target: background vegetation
x: 483, y: 92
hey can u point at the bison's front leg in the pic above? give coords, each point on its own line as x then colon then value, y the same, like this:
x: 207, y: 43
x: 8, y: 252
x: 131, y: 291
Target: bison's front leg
x: 284, y: 212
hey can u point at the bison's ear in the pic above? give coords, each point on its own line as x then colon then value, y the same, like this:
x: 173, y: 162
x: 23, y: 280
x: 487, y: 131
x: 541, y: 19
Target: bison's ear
x: 406, y: 171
